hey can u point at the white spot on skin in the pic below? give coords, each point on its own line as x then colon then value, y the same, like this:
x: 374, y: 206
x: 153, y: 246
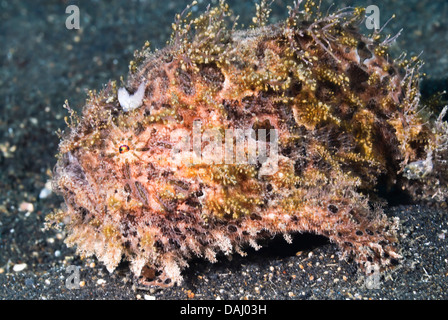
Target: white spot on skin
x: 130, y: 102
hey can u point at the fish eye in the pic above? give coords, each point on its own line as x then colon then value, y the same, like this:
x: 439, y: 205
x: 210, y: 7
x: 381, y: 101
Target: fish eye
x: 123, y: 148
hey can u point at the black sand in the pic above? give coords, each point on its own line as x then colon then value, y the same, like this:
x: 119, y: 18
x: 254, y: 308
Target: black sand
x: 42, y: 64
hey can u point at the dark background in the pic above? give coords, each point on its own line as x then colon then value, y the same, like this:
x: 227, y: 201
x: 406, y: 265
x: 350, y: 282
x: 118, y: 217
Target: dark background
x: 42, y: 64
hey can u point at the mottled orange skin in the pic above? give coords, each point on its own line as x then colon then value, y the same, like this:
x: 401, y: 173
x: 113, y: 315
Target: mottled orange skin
x: 343, y: 111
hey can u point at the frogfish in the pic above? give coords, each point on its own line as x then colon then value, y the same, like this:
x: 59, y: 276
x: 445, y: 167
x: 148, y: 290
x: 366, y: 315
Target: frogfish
x: 229, y: 136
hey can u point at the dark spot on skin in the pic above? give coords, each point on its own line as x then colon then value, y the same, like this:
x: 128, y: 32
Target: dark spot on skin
x: 159, y: 245
x: 356, y: 220
x: 333, y: 209
x: 260, y: 50
x: 248, y: 102
x: 174, y: 244
x: 263, y: 125
x: 359, y: 233
x: 149, y: 90
x: 148, y: 273
x: 164, y: 145
x: 302, y: 162
x: 151, y: 170
x: 357, y: 77
x: 286, y: 151
x: 232, y: 228
x: 238, y: 63
x: 84, y: 213
x: 232, y: 109
x: 126, y: 170
x: 203, y: 242
x: 294, y: 89
x: 199, y: 193
x: 179, y: 183
x: 185, y: 82
x: 391, y: 71
x: 193, y: 230
x: 141, y: 192
x: 394, y: 262
x: 255, y: 217
x: 326, y: 90
x: 139, y: 128
x: 193, y: 202
x: 385, y: 82
x: 372, y: 105
x: 369, y: 232
x: 363, y: 51
x: 168, y: 58
x: 212, y: 75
